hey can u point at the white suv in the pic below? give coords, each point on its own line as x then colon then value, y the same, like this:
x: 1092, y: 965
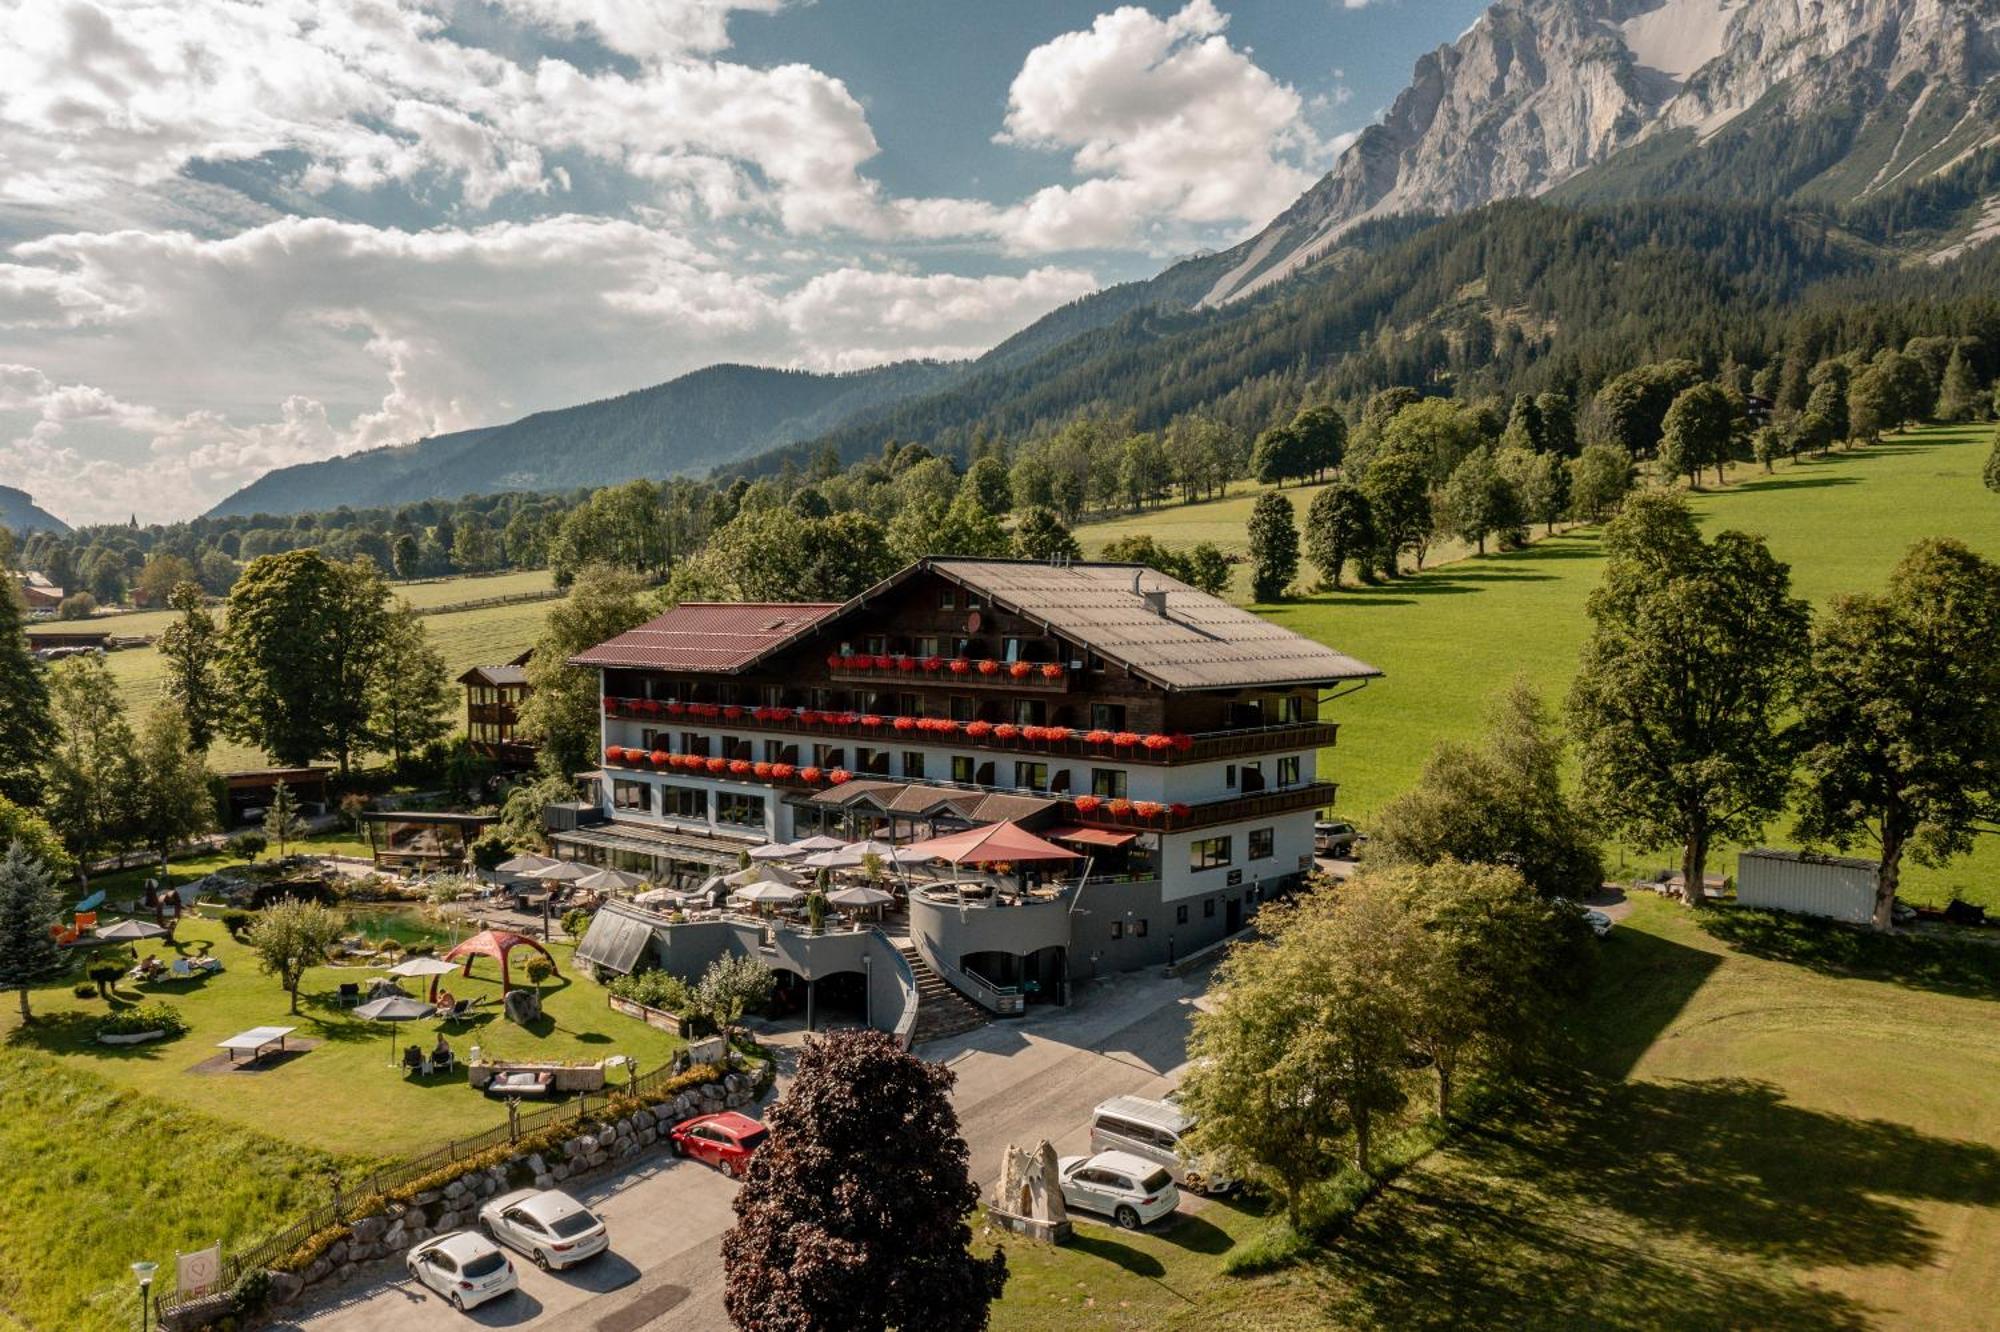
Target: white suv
x: 464, y: 1267
x: 1131, y: 1191
x: 549, y: 1226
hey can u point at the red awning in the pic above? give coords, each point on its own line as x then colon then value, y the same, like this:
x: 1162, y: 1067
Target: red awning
x: 989, y: 844
x: 1090, y: 836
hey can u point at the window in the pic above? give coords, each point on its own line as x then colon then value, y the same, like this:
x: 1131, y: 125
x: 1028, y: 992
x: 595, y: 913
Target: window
x: 964, y: 708
x: 909, y: 705
x: 1209, y: 853
x: 1034, y: 776
x: 1117, y: 929
x: 1030, y: 712
x: 913, y: 763
x: 1180, y: 914
x: 773, y: 696
x: 684, y: 802
x: 1139, y: 928
x: 828, y: 756
x: 1108, y: 782
x: 961, y: 767
x: 876, y: 645
x: 636, y: 797
x: 1095, y: 662
x: 872, y: 761
x: 1288, y: 770
x: 1208, y: 909
x: 1229, y: 776
x: 1263, y: 843
x: 742, y: 811
x: 774, y: 751
x: 1010, y: 649
x: 947, y: 598
x: 1291, y: 708
x: 694, y: 744
x: 1107, y: 716
x: 928, y: 647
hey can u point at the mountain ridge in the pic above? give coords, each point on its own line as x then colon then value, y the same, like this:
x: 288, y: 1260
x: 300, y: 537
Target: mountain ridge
x: 20, y: 514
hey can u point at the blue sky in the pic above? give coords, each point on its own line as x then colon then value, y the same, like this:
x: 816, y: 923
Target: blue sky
x: 235, y: 235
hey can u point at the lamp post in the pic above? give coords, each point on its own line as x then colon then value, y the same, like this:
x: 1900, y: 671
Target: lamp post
x: 144, y: 1271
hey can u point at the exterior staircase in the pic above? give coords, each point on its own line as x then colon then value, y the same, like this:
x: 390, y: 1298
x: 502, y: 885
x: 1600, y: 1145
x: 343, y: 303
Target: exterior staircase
x: 941, y: 1010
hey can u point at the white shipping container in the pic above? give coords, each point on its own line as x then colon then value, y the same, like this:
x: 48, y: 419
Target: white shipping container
x: 1840, y: 888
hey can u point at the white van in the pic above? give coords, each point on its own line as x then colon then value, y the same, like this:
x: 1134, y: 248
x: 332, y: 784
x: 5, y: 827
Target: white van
x: 1152, y: 1130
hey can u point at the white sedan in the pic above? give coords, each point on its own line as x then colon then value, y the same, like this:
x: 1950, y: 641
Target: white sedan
x: 1600, y: 924
x: 548, y: 1225
x: 463, y: 1266
x: 1131, y: 1191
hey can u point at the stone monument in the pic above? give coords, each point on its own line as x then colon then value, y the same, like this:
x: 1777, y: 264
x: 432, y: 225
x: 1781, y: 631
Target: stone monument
x: 1029, y: 1198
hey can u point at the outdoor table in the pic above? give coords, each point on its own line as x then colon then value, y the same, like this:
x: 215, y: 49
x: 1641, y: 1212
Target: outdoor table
x: 258, y: 1042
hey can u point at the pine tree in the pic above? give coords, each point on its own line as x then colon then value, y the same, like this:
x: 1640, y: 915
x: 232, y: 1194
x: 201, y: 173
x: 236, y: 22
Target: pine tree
x: 24, y: 704
x: 28, y: 905
x: 1274, y: 546
x: 282, y: 820
x: 410, y: 694
x: 1958, y: 394
x: 190, y: 647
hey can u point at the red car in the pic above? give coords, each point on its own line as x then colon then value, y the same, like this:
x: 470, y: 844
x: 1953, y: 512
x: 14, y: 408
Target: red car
x: 727, y: 1140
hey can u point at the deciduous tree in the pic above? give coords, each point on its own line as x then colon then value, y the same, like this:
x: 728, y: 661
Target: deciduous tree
x: 1900, y: 715
x: 1398, y: 492
x: 407, y: 703
x: 190, y: 647
x: 1695, y: 433
x: 731, y: 987
x: 173, y: 803
x: 1599, y: 479
x: 32, y: 831
x: 90, y: 771
x: 1274, y: 547
x: 853, y: 1216
x: 562, y: 708
x: 1695, y: 652
x: 1339, y: 528
x: 290, y: 937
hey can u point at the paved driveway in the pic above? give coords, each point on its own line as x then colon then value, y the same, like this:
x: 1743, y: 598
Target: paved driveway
x: 1018, y: 1082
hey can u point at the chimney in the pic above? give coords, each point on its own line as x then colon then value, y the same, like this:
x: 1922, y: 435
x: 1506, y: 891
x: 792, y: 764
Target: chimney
x: 1156, y: 602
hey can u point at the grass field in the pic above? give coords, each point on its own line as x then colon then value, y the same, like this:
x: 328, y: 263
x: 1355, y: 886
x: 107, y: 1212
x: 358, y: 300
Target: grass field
x: 1448, y: 638
x: 1756, y: 1136
x: 466, y: 638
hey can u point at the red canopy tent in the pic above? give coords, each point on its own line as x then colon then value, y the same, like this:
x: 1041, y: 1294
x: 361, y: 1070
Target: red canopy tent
x: 988, y: 844
x: 494, y: 944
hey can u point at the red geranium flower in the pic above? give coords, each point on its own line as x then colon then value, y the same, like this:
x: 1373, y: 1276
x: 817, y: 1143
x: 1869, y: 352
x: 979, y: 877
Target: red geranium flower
x: 1006, y: 731
x: 733, y: 713
x: 836, y: 662
x: 661, y: 758
x: 1087, y: 804
x: 1147, y: 809
x: 1125, y: 739
x: 739, y: 766
x: 979, y: 730
x: 675, y: 709
x: 871, y: 721
x: 989, y: 668
x: 612, y: 753
x: 1098, y: 737
x: 1056, y: 734
x: 1157, y: 743
x: 906, y: 723
x: 933, y: 664
x: 906, y: 664
x: 717, y: 765
x: 763, y: 771
x: 1121, y: 807
x: 885, y: 663
x: 1052, y: 671
x: 784, y: 772
x: 809, y: 774
x: 1020, y: 670
x: 848, y: 719
x: 839, y: 775
x: 960, y: 666
x: 1183, y: 742
x: 1179, y: 810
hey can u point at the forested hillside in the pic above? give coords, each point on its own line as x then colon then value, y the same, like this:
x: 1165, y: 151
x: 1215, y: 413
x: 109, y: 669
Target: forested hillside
x: 683, y: 427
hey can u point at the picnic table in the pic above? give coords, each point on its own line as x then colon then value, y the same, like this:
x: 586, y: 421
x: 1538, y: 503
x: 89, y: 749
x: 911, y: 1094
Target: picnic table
x: 256, y: 1042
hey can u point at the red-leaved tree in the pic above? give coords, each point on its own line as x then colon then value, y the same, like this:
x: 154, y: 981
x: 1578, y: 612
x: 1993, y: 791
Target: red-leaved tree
x: 853, y: 1216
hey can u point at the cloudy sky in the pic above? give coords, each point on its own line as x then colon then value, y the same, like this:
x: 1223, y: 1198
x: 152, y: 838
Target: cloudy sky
x: 236, y: 236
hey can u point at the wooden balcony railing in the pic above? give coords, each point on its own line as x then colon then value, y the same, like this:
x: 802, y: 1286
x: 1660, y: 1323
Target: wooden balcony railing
x: 955, y: 672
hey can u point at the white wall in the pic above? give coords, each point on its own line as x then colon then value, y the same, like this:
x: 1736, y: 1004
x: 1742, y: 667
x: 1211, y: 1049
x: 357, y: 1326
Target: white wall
x: 1838, y: 889
x: 1291, y: 839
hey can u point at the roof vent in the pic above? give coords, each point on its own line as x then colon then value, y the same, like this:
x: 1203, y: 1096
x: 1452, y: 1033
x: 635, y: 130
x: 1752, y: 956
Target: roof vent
x: 1156, y: 602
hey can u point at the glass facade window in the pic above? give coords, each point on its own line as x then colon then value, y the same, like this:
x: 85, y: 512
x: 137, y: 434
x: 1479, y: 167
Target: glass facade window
x: 1107, y: 716
x: 1034, y: 776
x: 963, y: 708
x: 828, y: 756
x: 928, y: 647
x: 1180, y: 914
x: 947, y: 598
x: 1117, y: 929
x: 1263, y: 842
x: 913, y: 763
x: 694, y: 744
x: 1010, y: 649
x: 961, y: 767
x: 684, y: 802
x: 1139, y: 928
x: 739, y: 811
x: 1291, y: 708
x: 1288, y: 770
x: 1031, y: 712
x: 1108, y: 782
x: 632, y: 797
x: 1209, y: 853
x: 875, y: 762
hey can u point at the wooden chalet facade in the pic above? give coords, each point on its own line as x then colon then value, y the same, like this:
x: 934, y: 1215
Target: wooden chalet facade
x: 493, y: 698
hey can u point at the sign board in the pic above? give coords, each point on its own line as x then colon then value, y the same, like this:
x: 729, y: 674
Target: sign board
x: 708, y: 1051
x: 1236, y: 878
x: 201, y: 1271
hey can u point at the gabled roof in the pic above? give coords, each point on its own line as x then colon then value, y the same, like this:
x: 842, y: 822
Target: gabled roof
x: 709, y: 636
x: 495, y: 675
x: 1193, y: 641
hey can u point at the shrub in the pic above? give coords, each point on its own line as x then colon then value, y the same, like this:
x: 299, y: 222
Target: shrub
x: 143, y: 1017
x: 575, y: 922
x: 236, y: 921
x: 105, y: 975
x: 655, y: 989
x: 84, y: 990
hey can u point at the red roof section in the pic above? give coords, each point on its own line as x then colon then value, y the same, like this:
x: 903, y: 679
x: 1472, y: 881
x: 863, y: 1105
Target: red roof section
x: 721, y: 637
x: 990, y: 844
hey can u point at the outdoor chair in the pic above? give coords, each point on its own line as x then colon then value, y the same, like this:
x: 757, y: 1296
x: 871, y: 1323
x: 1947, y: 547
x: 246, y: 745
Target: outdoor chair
x: 350, y: 994
x: 180, y: 969
x: 414, y: 1061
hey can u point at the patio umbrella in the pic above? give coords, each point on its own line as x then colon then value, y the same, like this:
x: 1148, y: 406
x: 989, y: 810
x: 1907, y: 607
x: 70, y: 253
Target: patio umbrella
x: 562, y: 871
x: 860, y: 897
x: 126, y: 930
x: 433, y: 967
x: 989, y: 844
x: 525, y: 864
x: 819, y: 842
x: 770, y: 894
x: 776, y: 851
x: 609, y: 881
x: 849, y: 855
x: 394, y: 1008
x: 761, y: 874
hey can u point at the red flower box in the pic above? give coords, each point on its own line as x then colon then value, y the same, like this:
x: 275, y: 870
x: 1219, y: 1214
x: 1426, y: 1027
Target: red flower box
x: 871, y: 722
x: 885, y: 663
x: 849, y: 719
x: 613, y: 753
x: 906, y: 723
x: 933, y: 664
x: 906, y: 664
x: 763, y: 771
x: 739, y: 766
x: 1020, y: 670
x: 1087, y: 804
x: 839, y: 775
x: 979, y: 730
x: 989, y: 668
x: 809, y: 774
x: 1006, y: 731
x: 1056, y: 734
x: 1179, y: 810
x: 661, y: 758
x: 960, y: 666
x: 1052, y: 671
x: 836, y: 662
x: 1157, y: 743
x: 1125, y: 739
x: 650, y: 706
x: 1148, y: 809
x: 1120, y: 808
x: 733, y: 713
x: 676, y: 709
x: 784, y: 772
x: 1097, y: 737
x: 717, y: 765
x: 1183, y: 742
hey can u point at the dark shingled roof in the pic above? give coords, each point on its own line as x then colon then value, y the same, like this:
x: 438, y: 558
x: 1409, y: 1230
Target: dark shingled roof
x: 495, y: 675
x: 1199, y: 642
x: 719, y: 637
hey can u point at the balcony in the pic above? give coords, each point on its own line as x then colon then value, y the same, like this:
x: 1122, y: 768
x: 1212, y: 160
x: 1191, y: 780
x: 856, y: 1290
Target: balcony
x: 490, y: 714
x: 1002, y: 737
x: 1036, y: 677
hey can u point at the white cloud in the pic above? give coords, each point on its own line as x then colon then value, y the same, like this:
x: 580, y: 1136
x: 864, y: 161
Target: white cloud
x: 111, y: 404
x: 1167, y: 118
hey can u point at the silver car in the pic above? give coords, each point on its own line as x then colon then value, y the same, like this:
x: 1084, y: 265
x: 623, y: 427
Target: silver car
x: 464, y: 1267
x: 547, y: 1225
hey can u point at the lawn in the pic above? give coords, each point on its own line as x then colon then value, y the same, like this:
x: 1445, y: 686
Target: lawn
x: 1450, y: 637
x: 470, y: 638
x: 1783, y: 1131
